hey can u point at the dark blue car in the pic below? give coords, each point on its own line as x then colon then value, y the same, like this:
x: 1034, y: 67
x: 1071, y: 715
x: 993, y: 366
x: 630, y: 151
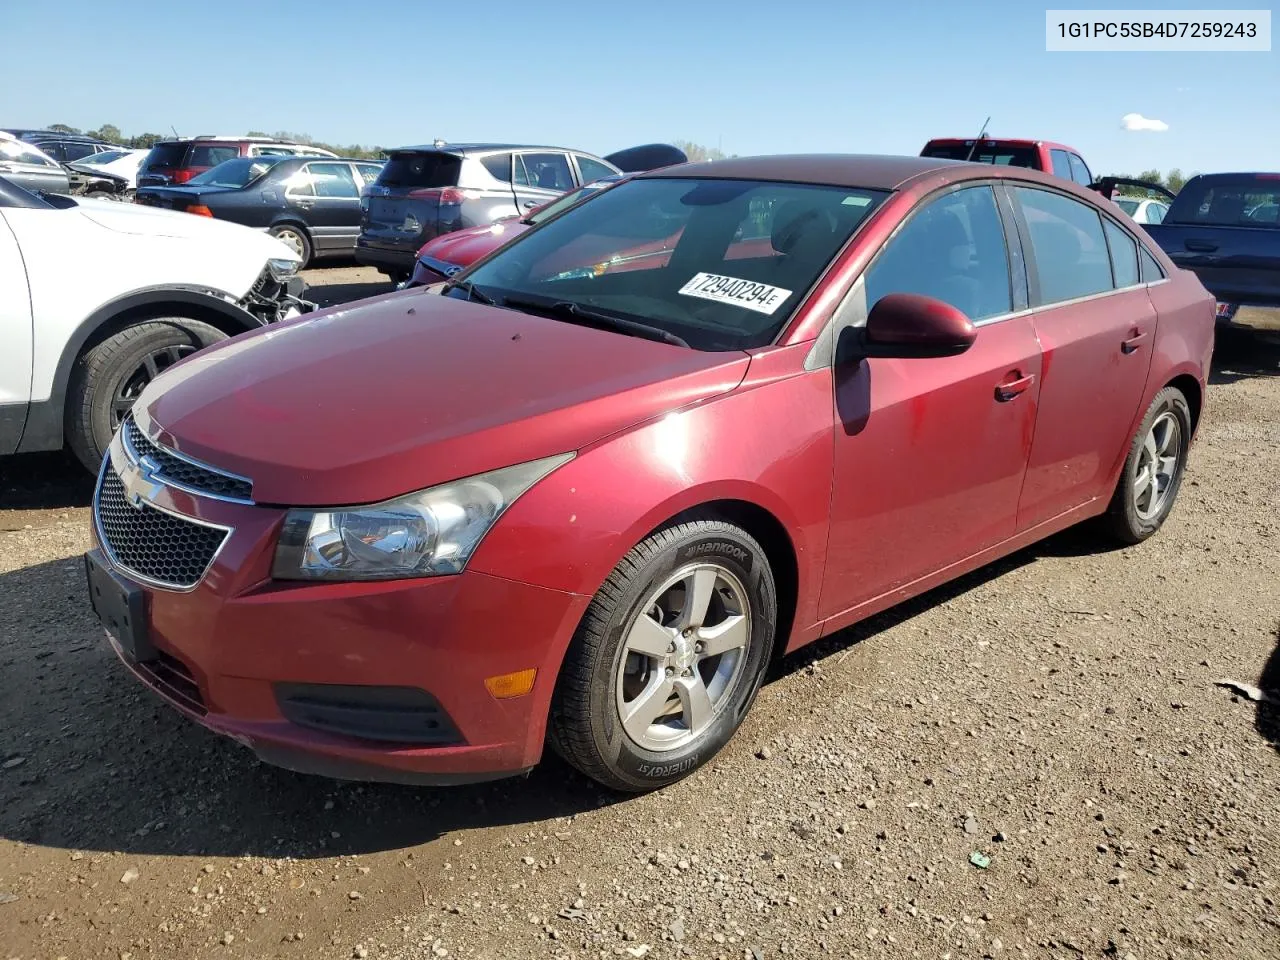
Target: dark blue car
x: 312, y: 204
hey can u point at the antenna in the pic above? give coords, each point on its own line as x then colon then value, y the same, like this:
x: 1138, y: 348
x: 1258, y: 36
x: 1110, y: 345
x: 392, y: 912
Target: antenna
x: 175, y: 132
x: 981, y: 133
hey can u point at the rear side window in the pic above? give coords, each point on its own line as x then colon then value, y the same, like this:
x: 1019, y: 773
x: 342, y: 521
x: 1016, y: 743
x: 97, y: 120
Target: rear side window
x: 546, y: 171
x: 1151, y: 271
x: 1229, y: 201
x: 166, y: 155
x: 202, y: 156
x: 1067, y: 243
x: 77, y: 151
x: 592, y: 169
x: 499, y: 166
x: 368, y: 172
x: 333, y: 180
x: 1124, y: 255
x: 1061, y: 164
x: 952, y: 250
x: 1079, y: 172
x: 420, y: 169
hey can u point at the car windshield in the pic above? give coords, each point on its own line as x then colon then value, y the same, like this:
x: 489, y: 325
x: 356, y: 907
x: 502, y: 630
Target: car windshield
x: 235, y: 173
x: 1005, y: 155
x: 564, y: 203
x: 1227, y: 201
x: 1128, y: 206
x: 722, y: 264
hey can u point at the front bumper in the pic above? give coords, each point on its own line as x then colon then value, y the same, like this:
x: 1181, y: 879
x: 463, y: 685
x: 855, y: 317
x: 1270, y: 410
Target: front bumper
x: 227, y: 653
x: 393, y: 258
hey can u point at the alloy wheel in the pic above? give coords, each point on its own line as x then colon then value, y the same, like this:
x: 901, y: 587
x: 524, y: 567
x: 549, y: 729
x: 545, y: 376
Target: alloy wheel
x: 683, y: 655
x: 132, y: 385
x: 1157, y: 466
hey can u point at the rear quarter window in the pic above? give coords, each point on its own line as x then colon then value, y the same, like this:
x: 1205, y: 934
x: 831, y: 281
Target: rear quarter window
x: 413, y: 169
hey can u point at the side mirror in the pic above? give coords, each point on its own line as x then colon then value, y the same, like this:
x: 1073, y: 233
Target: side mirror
x: 909, y: 325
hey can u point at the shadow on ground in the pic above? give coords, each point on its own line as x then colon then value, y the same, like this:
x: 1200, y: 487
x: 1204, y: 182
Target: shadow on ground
x: 1268, y: 719
x: 42, y: 481
x: 1243, y: 355
x: 106, y: 765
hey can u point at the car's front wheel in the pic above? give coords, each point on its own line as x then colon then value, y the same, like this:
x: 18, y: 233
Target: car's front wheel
x: 1153, y: 470
x: 108, y: 378
x: 668, y: 658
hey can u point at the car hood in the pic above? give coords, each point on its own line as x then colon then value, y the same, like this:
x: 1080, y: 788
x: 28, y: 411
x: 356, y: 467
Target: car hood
x: 464, y: 247
x: 409, y: 390
x: 138, y: 219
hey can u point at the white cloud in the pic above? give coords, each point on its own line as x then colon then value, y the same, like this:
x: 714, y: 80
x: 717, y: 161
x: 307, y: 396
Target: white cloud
x: 1136, y: 121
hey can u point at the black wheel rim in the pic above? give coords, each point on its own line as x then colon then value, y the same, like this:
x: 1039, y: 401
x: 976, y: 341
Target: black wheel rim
x: 132, y: 385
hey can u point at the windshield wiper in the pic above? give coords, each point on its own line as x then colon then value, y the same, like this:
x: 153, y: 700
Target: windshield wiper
x: 472, y: 292
x: 573, y: 313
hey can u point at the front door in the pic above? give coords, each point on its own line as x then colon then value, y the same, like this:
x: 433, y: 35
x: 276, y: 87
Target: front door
x: 930, y: 455
x: 1097, y: 329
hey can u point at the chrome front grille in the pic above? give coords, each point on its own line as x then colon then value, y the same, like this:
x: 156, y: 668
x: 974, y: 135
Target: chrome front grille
x: 151, y: 544
x: 179, y: 471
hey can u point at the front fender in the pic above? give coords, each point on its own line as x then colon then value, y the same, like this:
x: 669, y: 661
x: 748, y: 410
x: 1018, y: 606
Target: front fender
x: 768, y: 444
x: 44, y: 426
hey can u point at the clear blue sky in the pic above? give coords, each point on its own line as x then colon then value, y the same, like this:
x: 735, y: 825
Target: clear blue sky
x: 751, y: 76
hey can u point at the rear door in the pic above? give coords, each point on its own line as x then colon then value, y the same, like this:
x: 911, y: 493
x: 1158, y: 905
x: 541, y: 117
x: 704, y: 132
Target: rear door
x: 540, y: 176
x: 1096, y: 327
x: 325, y: 192
x: 15, y: 340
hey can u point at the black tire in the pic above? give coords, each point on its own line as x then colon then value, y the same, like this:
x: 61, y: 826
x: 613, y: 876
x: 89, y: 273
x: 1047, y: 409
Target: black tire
x: 286, y: 232
x: 396, y: 276
x: 1124, y: 520
x: 585, y: 725
x: 116, y: 369
x: 100, y: 195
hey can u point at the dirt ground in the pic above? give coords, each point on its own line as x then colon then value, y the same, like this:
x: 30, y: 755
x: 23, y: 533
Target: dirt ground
x: 1034, y: 761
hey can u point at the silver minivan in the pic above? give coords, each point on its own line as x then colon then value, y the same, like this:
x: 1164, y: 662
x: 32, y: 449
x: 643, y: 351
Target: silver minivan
x: 31, y: 168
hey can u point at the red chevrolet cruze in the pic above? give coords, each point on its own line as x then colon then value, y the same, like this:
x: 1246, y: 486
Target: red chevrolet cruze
x: 585, y: 498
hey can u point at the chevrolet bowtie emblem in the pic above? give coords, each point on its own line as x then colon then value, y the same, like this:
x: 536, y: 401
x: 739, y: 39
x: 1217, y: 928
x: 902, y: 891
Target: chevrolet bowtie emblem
x: 140, y: 480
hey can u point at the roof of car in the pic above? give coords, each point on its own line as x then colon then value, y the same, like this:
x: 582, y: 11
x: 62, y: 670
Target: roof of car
x: 1003, y: 141
x: 831, y: 169
x: 474, y: 147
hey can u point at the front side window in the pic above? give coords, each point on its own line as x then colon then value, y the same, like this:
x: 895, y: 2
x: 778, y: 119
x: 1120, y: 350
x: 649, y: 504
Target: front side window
x: 952, y: 249
x: 1124, y: 255
x: 1067, y: 244
x: 670, y: 253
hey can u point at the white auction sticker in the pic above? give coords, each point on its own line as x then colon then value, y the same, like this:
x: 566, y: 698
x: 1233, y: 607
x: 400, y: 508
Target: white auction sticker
x: 760, y: 297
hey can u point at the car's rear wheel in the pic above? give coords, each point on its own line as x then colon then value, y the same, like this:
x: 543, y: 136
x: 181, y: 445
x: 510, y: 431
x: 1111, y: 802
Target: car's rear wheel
x: 668, y: 658
x: 1152, y: 474
x: 108, y: 378
x: 296, y: 239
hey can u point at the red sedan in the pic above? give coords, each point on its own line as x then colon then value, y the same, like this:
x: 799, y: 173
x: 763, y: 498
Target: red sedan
x: 417, y: 538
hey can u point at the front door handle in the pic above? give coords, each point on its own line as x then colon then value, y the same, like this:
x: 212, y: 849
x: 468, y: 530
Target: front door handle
x: 1201, y: 246
x: 1133, y: 343
x: 1014, y: 388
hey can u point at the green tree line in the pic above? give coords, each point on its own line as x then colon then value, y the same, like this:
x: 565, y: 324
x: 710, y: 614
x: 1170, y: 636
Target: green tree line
x: 1172, y: 181
x: 111, y: 134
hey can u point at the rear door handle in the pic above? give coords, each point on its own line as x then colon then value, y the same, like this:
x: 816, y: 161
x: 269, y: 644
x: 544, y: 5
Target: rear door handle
x: 1014, y: 388
x: 1133, y: 343
x: 1201, y: 246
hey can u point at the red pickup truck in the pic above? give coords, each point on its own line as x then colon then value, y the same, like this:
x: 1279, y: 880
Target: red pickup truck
x: 1055, y: 158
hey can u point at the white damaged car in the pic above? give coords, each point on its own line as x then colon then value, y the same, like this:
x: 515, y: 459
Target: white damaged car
x: 97, y: 297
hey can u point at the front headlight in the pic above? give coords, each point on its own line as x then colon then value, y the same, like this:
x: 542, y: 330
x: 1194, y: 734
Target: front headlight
x: 282, y: 269
x: 424, y: 534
